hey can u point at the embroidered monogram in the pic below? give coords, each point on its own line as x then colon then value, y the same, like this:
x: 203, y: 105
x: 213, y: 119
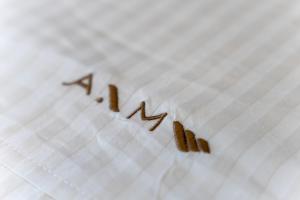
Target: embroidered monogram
x: 185, y: 139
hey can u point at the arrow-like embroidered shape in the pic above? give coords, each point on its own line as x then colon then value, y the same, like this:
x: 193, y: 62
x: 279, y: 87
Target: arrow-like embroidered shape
x: 186, y: 140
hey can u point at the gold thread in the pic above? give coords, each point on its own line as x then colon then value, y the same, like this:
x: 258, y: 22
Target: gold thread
x: 142, y: 108
x: 99, y: 99
x: 87, y: 86
x: 191, y: 141
x: 180, y: 136
x: 114, y: 99
x: 203, y: 145
x: 185, y: 139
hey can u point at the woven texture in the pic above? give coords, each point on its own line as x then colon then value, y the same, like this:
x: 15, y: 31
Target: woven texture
x: 228, y: 70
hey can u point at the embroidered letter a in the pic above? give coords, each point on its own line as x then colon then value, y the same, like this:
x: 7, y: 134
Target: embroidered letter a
x: 82, y: 83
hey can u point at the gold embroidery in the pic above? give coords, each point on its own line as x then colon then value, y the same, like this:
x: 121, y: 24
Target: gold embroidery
x: 142, y: 108
x: 87, y: 86
x: 99, y: 99
x: 114, y: 99
x: 180, y: 136
x: 203, y: 145
x: 191, y: 141
x: 186, y: 141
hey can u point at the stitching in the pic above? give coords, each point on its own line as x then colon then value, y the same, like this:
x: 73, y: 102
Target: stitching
x: 26, y: 181
x: 46, y: 169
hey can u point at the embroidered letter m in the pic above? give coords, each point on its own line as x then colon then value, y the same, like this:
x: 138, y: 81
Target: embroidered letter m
x: 144, y: 117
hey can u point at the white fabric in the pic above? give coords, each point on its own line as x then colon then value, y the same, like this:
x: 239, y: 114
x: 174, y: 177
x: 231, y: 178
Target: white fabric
x: 228, y: 70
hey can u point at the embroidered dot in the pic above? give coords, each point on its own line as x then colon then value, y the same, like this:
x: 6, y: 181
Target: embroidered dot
x: 99, y: 99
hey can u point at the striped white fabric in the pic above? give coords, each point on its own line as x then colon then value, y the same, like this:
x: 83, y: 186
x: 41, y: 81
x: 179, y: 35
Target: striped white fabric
x: 228, y: 70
